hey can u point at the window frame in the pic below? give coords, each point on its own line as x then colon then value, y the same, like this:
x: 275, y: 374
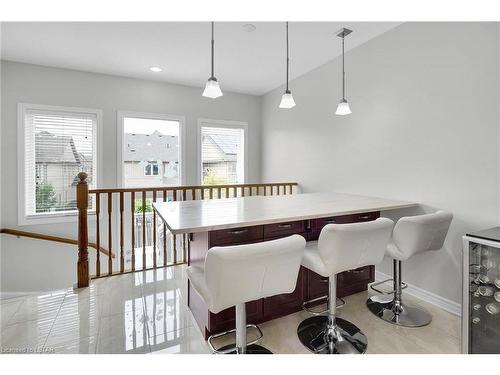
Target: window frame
x: 152, y: 164
x: 231, y: 124
x: 23, y: 218
x: 120, y: 116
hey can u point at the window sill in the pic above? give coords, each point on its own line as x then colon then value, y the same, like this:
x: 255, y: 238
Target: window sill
x: 52, y: 218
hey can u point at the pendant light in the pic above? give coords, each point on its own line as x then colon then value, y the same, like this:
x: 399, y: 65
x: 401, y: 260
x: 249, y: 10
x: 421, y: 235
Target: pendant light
x: 343, y: 107
x: 212, y: 88
x: 287, y: 98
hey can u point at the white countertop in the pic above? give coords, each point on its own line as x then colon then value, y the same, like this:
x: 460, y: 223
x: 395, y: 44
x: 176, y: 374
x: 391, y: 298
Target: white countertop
x: 214, y: 214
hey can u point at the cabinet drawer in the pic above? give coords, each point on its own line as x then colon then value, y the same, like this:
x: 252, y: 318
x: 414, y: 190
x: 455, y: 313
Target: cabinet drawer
x: 318, y: 224
x: 283, y: 229
x: 235, y: 235
x: 226, y: 319
x: 358, y: 275
x: 316, y: 285
x: 366, y: 216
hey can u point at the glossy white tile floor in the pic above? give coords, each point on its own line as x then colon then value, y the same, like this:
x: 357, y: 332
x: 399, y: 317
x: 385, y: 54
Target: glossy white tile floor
x: 146, y: 312
x: 143, y: 312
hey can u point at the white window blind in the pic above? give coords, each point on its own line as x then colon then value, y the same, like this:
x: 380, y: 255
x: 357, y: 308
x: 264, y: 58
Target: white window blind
x: 222, y: 155
x: 57, y: 146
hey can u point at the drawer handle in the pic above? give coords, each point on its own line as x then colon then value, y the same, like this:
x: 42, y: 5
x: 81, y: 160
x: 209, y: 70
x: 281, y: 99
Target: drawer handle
x: 238, y: 231
x: 357, y: 270
x: 364, y: 217
x: 285, y: 226
x: 330, y: 221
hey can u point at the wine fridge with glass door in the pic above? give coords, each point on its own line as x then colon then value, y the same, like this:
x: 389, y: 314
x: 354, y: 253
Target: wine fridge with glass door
x: 481, y: 292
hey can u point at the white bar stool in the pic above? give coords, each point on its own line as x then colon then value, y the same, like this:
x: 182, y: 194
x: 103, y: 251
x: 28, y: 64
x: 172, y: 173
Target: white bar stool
x: 412, y: 235
x: 234, y: 275
x: 341, y: 247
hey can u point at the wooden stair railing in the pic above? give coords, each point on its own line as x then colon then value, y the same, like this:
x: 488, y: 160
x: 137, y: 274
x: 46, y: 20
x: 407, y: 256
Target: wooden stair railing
x: 111, y: 203
x: 40, y: 236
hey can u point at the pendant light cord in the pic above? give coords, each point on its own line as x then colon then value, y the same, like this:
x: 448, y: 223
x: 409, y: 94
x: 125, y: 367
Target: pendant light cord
x: 343, y: 71
x: 287, y: 59
x: 212, y: 76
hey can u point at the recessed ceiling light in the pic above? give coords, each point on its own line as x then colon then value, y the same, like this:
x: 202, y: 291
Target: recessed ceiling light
x: 156, y: 69
x: 249, y: 27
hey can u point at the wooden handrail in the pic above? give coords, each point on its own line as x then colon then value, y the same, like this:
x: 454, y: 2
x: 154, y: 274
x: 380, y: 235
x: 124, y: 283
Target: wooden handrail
x: 39, y: 236
x: 189, y: 187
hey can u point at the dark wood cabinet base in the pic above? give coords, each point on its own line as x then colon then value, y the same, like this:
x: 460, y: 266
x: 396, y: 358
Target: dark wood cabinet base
x: 309, y: 284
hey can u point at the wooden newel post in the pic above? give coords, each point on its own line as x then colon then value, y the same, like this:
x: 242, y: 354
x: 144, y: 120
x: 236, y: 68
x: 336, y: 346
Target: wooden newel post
x: 82, y: 203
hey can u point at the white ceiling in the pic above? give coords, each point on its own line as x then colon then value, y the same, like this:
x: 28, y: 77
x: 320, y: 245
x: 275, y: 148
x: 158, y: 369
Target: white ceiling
x: 247, y: 62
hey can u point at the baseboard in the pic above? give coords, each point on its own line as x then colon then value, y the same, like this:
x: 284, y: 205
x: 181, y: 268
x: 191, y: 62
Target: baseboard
x: 8, y: 295
x: 429, y: 297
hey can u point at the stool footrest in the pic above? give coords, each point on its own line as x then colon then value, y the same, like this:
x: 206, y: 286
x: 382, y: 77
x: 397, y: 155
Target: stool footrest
x: 232, y: 349
x: 373, y: 285
x: 316, y: 313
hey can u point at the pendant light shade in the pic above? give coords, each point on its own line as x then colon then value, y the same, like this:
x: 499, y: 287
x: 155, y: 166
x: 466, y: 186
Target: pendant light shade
x: 287, y: 101
x: 212, y: 88
x: 343, y: 108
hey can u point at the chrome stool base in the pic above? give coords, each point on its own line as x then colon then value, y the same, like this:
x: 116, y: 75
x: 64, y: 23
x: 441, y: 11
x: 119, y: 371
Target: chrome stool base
x: 312, y: 334
x: 250, y: 349
x: 407, y: 316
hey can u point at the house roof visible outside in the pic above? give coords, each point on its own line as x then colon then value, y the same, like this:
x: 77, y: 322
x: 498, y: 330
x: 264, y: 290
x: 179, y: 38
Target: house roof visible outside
x: 50, y: 148
x: 226, y: 142
x: 151, y: 147
x: 219, y: 148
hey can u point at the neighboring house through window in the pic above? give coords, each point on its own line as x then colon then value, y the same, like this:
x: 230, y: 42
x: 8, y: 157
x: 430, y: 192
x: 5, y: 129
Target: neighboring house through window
x: 55, y: 144
x: 222, y: 152
x: 151, y: 149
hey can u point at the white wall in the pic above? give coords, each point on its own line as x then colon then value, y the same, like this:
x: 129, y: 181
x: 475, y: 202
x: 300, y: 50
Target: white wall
x: 43, y: 85
x: 424, y: 128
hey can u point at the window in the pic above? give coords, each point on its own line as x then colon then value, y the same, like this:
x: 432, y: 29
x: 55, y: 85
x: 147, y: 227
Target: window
x: 151, y: 152
x: 55, y: 144
x: 151, y: 169
x: 222, y: 152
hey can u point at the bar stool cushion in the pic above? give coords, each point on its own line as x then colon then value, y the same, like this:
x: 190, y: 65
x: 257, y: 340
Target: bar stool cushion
x: 312, y: 260
x: 343, y: 247
x: 237, y: 274
x: 416, y: 234
x: 196, y: 276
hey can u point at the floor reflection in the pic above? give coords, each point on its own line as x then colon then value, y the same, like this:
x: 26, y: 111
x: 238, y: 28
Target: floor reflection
x: 156, y: 319
x: 146, y: 312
